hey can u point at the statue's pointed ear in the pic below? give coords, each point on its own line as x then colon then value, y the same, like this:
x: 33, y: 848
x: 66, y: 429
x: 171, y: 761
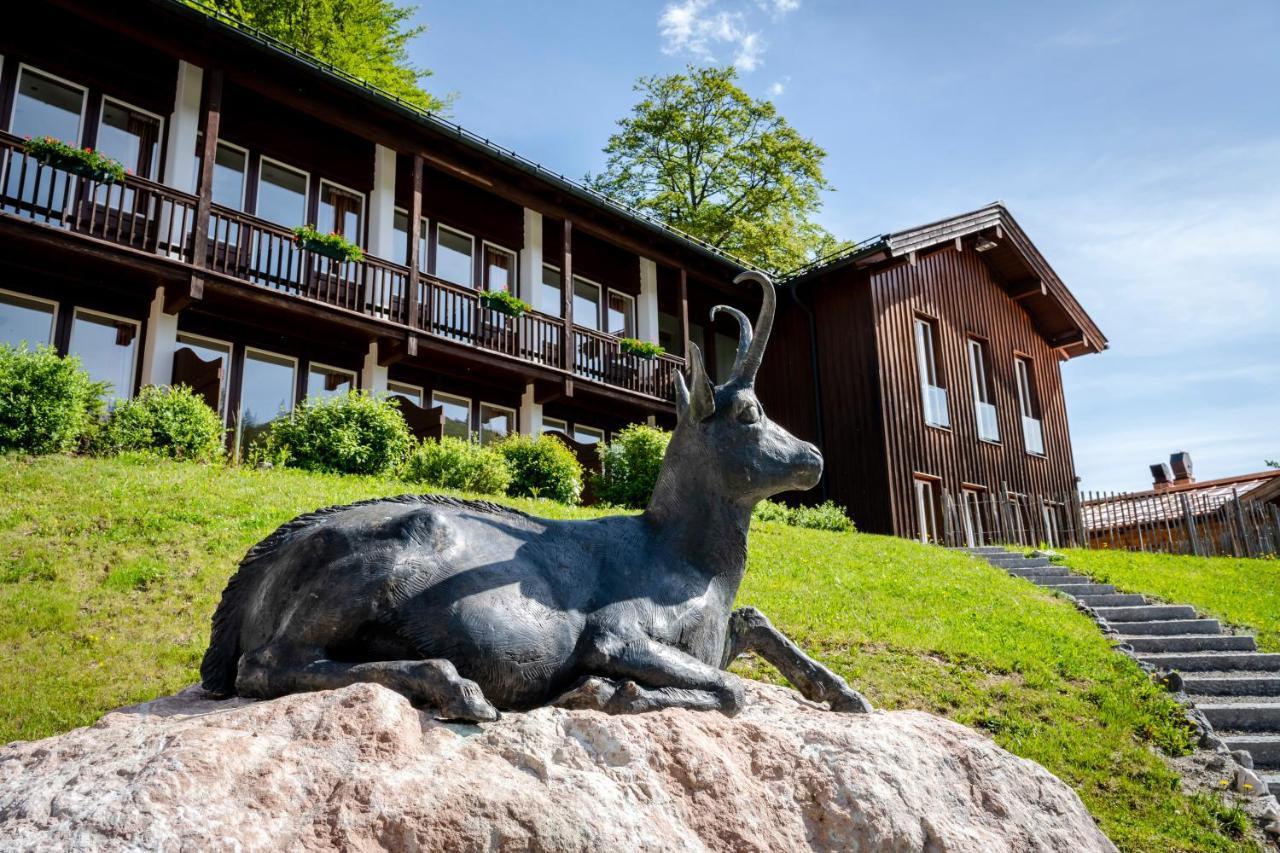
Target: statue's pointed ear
x: 699, y: 402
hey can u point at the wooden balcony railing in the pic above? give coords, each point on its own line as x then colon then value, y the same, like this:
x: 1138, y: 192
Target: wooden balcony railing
x: 153, y: 218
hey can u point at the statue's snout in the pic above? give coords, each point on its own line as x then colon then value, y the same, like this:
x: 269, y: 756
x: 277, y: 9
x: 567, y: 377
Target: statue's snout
x: 808, y: 466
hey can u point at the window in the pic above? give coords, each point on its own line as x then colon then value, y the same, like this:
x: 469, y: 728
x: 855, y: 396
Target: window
x: 46, y: 106
x: 340, y: 212
x: 282, y: 194
x: 207, y: 378
x: 454, y: 252
x: 422, y: 245
x: 412, y: 393
x: 586, y: 303
x: 1019, y: 521
x: 400, y: 236
x: 229, y: 164
x: 726, y: 353
x: 324, y: 381
x: 26, y: 319
x: 669, y: 333
x: 131, y: 136
x: 587, y: 435
x: 971, y: 515
x: 457, y: 414
x: 496, y: 422
x: 499, y: 269
x: 926, y: 509
x: 932, y: 391
x: 983, y: 398
x: 555, y: 425
x: 107, y: 347
x: 550, y: 291
x: 620, y: 319
x: 1028, y: 406
x: 267, y: 390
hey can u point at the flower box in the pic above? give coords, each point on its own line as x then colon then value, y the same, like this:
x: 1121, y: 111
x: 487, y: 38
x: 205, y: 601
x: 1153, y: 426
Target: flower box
x: 504, y: 303
x: 640, y: 349
x: 82, y: 162
x: 332, y: 246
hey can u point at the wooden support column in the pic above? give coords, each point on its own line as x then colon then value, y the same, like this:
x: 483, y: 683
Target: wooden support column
x: 415, y: 217
x: 684, y: 315
x: 204, y: 182
x: 566, y: 304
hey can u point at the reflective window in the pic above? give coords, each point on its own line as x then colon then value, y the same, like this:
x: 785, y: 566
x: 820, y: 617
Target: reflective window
x: 25, y: 320
x: 669, y: 334
x: 453, y: 257
x: 400, y: 237
x: 211, y: 382
x: 411, y: 392
x: 587, y: 435
x: 107, y: 348
x: 130, y: 136
x: 46, y: 107
x: 340, y: 212
x: 422, y: 245
x: 457, y: 414
x: 266, y: 392
x: 499, y: 269
x: 549, y: 292
x: 555, y: 425
x: 586, y: 303
x: 621, y: 317
x: 496, y: 423
x: 228, y: 177
x: 282, y: 194
x: 325, y: 382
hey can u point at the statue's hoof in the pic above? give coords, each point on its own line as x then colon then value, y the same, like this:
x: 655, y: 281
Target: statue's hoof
x: 852, y: 702
x: 469, y: 705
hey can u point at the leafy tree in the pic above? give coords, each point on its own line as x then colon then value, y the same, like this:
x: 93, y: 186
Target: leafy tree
x: 1271, y: 463
x: 365, y: 38
x: 701, y: 154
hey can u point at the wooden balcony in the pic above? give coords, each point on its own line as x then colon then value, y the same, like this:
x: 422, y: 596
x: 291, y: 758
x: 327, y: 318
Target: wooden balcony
x: 149, y: 217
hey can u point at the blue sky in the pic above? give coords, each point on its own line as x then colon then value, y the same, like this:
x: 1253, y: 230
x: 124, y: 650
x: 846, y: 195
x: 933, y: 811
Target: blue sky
x: 1138, y: 143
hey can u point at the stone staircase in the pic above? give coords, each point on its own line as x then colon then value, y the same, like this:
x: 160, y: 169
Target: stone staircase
x: 1235, y: 687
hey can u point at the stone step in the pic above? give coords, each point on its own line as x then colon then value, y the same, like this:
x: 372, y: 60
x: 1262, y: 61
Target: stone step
x: 1231, y: 684
x: 1078, y: 589
x: 1205, y: 661
x: 1191, y: 643
x: 987, y: 549
x: 1109, y: 599
x: 1060, y: 579
x: 1037, y: 571
x: 1147, y: 613
x: 1021, y: 563
x: 1243, y: 716
x: 1173, y: 626
x: 1265, y: 748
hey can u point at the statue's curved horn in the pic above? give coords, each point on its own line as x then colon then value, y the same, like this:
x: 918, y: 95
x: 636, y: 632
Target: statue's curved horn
x: 744, y: 334
x: 748, y: 361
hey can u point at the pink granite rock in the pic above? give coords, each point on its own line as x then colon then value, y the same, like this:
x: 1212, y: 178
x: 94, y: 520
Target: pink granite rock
x: 361, y: 769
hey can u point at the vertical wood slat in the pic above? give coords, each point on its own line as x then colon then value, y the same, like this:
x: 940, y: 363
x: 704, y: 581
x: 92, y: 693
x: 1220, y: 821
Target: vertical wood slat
x: 204, y: 181
x: 567, y: 355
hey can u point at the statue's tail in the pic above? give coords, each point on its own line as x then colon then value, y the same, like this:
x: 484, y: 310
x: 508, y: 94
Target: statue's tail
x: 221, y: 661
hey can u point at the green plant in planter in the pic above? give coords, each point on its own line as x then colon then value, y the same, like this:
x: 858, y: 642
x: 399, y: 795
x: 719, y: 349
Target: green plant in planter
x: 642, y: 349
x: 333, y: 245
x: 504, y: 303
x: 84, y: 162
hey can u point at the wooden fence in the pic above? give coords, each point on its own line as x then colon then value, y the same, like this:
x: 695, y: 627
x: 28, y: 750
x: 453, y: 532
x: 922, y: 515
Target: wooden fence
x: 1224, y: 524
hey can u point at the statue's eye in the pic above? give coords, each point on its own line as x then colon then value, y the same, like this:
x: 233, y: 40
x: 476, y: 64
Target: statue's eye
x: 749, y: 414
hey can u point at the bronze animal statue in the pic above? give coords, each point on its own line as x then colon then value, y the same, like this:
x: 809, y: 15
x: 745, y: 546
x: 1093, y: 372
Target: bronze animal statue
x: 467, y: 606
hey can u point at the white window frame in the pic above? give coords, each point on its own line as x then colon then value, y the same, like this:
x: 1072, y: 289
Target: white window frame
x: 1022, y: 379
x: 53, y: 325
x: 600, y: 305
x: 470, y: 237
x: 921, y: 485
x: 355, y: 381
x: 102, y: 108
x: 424, y: 251
x: 976, y: 350
x: 514, y: 289
x: 257, y: 197
x: 515, y: 418
x: 582, y: 428
x: 454, y: 398
x: 563, y: 426
x: 971, y: 516
x: 244, y: 185
x: 422, y: 392
x: 137, y: 337
x: 84, y: 97
x: 364, y: 206
x: 293, y: 397
x: 926, y: 346
x: 559, y: 308
x: 635, y: 319
x: 224, y: 385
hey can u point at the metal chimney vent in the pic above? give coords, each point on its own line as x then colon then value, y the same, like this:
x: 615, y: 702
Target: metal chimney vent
x: 1181, y: 464
x: 1161, y: 475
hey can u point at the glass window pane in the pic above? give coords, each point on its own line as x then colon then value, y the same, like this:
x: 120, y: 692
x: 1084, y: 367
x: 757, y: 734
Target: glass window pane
x: 25, y: 320
x: 340, y: 213
x: 726, y: 352
x: 622, y: 315
x: 131, y: 137
x: 210, y: 351
x: 495, y: 423
x: 586, y: 304
x: 228, y: 178
x: 422, y: 245
x: 282, y: 195
x: 548, y: 298
x: 453, y: 257
x: 45, y: 107
x: 106, y: 348
x: 499, y: 269
x: 412, y: 392
x: 669, y: 334
x: 325, y: 382
x: 400, y: 237
x: 457, y: 415
x: 555, y: 425
x: 266, y: 392
x: 587, y: 435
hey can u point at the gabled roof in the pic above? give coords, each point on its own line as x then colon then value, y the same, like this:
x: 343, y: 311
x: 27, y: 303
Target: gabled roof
x: 1123, y: 510
x: 1014, y: 262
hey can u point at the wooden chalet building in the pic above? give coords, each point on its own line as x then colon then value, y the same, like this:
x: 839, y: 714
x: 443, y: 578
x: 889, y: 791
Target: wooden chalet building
x: 926, y: 365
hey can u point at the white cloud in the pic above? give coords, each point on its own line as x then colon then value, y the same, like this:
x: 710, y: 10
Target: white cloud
x: 777, y: 88
x: 702, y: 31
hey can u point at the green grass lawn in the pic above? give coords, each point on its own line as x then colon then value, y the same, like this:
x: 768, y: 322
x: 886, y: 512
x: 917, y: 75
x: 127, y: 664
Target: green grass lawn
x: 110, y: 570
x: 1238, y: 591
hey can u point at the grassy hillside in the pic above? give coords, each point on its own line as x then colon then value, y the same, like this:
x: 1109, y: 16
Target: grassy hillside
x: 1238, y: 591
x: 110, y: 569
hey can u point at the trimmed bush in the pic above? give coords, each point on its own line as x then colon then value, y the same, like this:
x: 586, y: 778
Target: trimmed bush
x: 171, y: 421
x: 48, y: 404
x: 352, y: 433
x: 827, y: 515
x: 631, y: 463
x: 772, y: 511
x: 452, y: 463
x: 541, y: 467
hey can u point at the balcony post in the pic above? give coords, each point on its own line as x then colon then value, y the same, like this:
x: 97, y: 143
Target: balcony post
x: 204, y: 182
x: 184, y: 126
x: 684, y: 315
x: 566, y: 297
x: 647, y: 307
x: 415, y: 216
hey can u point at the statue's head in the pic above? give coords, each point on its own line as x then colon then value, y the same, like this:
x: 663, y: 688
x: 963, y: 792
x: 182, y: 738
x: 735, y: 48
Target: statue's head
x: 742, y: 453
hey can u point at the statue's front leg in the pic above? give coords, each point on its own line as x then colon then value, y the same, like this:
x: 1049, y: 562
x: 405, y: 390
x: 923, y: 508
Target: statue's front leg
x: 751, y: 631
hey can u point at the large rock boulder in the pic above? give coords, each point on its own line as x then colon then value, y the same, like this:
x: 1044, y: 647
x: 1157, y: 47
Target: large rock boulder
x: 361, y: 769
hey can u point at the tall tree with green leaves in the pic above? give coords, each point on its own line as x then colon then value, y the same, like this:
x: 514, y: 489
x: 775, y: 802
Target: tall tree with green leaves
x: 701, y: 154
x: 366, y: 38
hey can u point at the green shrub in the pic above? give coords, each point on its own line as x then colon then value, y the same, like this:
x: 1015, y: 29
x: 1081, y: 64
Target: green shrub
x: 825, y: 516
x: 772, y: 511
x: 169, y: 420
x: 542, y: 467
x: 48, y: 404
x: 631, y: 463
x: 352, y: 433
x: 452, y: 463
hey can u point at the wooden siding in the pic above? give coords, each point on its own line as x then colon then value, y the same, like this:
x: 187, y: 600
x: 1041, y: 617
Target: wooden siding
x: 956, y: 289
